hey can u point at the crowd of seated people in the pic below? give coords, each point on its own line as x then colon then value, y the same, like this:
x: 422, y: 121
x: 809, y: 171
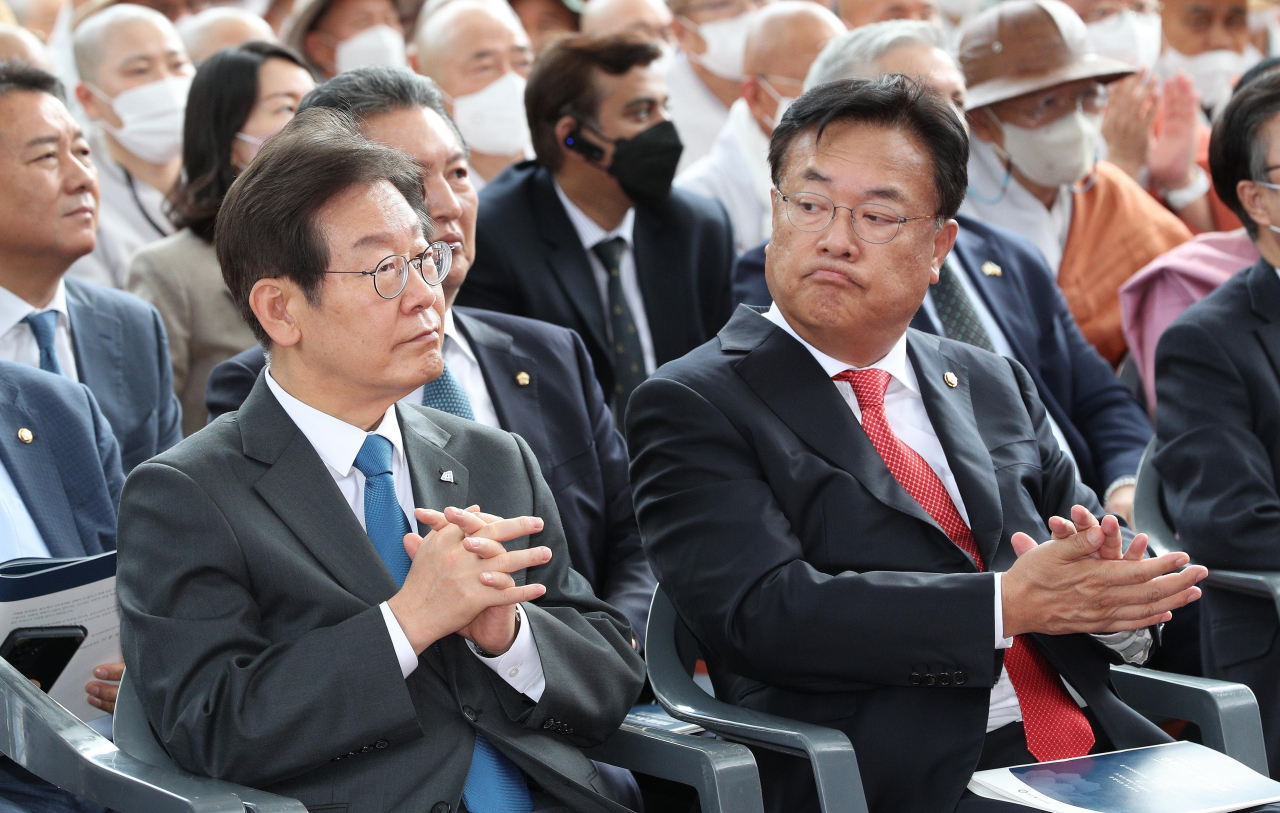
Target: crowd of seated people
x: 401, y: 350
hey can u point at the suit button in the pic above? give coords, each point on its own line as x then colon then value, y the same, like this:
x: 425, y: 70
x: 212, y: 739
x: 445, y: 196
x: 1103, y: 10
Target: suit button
x: 568, y: 729
x: 944, y: 679
x: 549, y: 723
x: 364, y: 749
x: 959, y: 678
x: 441, y: 807
x: 914, y: 680
x: 381, y: 744
x: 929, y: 679
x: 469, y: 713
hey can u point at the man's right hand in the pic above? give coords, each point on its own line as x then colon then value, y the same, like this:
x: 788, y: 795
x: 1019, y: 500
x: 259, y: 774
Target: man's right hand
x: 1062, y: 587
x: 449, y: 585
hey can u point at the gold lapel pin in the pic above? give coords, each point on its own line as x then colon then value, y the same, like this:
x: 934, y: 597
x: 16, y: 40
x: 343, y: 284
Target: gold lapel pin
x: 25, y: 435
x: 950, y: 378
x: 991, y: 269
x: 446, y: 476
x: 522, y: 378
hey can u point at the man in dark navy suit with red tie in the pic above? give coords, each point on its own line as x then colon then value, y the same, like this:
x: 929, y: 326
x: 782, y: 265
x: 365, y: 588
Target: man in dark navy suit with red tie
x: 846, y: 511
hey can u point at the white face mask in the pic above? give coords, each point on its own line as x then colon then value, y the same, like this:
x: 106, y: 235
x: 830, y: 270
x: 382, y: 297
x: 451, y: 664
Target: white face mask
x: 1214, y: 73
x: 726, y: 42
x: 377, y: 45
x: 151, y: 118
x: 1129, y: 37
x: 492, y: 120
x: 783, y: 103
x: 1057, y: 154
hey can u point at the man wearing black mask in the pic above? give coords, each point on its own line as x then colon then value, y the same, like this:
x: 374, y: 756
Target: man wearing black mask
x: 590, y: 235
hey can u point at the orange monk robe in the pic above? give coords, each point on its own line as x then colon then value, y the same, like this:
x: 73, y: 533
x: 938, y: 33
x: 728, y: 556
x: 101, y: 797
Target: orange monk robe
x: 1116, y: 229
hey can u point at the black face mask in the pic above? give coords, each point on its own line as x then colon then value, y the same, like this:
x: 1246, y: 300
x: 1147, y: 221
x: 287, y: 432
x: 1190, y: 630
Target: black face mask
x: 646, y: 165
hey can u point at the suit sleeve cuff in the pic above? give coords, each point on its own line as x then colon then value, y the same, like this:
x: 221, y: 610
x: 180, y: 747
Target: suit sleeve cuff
x: 404, y: 650
x: 521, y: 665
x: 1001, y: 641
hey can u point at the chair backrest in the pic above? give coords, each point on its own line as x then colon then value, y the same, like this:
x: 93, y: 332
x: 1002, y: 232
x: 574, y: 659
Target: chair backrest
x: 1149, y: 514
x: 133, y: 733
x: 671, y: 651
x: 1127, y: 372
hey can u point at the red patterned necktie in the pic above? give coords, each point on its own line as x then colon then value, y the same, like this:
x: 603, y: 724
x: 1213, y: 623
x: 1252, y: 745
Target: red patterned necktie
x: 1056, y: 727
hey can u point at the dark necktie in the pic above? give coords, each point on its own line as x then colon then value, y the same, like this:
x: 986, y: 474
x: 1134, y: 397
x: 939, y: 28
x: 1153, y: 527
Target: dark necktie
x: 446, y: 394
x: 494, y: 783
x: 42, y: 326
x: 956, y: 312
x: 628, y: 356
x: 1056, y: 727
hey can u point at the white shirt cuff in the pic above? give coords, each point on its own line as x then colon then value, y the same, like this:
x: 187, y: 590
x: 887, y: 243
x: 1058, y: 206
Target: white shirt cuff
x: 1001, y: 641
x: 521, y: 665
x: 404, y: 650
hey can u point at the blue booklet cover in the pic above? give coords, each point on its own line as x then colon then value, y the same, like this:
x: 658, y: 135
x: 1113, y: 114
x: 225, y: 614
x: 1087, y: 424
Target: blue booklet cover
x: 28, y: 578
x: 1180, y: 777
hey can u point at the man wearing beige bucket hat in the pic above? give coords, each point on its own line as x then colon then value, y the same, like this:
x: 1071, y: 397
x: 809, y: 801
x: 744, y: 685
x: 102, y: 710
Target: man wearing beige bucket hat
x: 1036, y: 95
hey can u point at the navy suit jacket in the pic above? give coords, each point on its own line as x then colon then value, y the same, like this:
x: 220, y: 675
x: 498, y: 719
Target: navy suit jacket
x: 562, y: 415
x: 1104, y: 426
x: 122, y: 355
x: 530, y: 262
x: 69, y: 475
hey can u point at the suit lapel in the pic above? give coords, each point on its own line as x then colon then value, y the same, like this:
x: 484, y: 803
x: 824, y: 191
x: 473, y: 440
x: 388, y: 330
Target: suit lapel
x: 518, y: 406
x: 35, y: 475
x: 439, y: 481
x: 97, y: 339
x: 568, y: 257
x: 1264, y: 296
x: 657, y: 252
x: 951, y: 413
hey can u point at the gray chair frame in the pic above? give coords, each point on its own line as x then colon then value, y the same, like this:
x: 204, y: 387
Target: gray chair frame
x: 1227, y: 713
x: 1151, y: 517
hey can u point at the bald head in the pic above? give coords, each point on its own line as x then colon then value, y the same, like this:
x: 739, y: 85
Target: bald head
x: 786, y: 36
x: 18, y: 43
x: 466, y: 44
x: 650, y: 18
x: 213, y: 29
x: 122, y: 27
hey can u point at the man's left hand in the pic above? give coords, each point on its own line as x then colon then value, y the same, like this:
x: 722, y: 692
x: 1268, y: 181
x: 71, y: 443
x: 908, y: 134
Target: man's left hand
x: 103, y: 695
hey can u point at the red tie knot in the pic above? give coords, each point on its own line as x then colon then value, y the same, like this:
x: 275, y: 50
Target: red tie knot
x: 868, y: 385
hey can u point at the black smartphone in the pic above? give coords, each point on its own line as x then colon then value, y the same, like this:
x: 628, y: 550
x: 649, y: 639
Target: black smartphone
x: 41, y: 653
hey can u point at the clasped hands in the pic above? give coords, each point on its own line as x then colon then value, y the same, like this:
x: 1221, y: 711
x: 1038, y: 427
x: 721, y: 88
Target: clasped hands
x: 1082, y: 581
x: 460, y: 579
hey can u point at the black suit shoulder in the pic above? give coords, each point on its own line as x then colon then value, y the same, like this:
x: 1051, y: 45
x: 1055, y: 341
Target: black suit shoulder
x: 1228, y: 308
x: 527, y: 333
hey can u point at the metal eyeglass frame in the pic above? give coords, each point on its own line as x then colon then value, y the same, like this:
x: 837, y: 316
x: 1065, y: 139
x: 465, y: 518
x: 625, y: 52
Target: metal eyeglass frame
x: 442, y: 249
x: 852, y: 216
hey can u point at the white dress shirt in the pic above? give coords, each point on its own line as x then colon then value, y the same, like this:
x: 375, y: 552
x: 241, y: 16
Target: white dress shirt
x: 338, y: 443
x: 906, y: 414
x: 697, y: 113
x: 590, y: 235
x: 18, y: 342
x: 19, y: 536
x: 465, y: 368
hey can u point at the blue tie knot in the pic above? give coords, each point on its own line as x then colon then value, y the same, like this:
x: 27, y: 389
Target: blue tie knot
x: 375, y: 456
x: 42, y: 327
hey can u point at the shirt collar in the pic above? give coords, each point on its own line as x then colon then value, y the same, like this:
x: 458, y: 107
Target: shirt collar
x: 455, y: 336
x: 589, y: 232
x: 895, y: 362
x: 336, y: 441
x: 13, y: 308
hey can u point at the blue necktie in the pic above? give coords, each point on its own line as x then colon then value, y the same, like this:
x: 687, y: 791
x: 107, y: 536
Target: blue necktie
x: 42, y: 325
x: 447, y: 395
x: 494, y: 783
x: 384, y: 521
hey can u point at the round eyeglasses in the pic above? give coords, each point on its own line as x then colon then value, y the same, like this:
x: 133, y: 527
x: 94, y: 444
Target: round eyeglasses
x: 392, y: 274
x: 872, y: 222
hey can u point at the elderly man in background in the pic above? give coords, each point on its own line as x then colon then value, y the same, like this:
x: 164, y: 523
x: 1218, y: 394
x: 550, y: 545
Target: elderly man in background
x: 703, y: 77
x: 649, y: 18
x: 1208, y: 40
x: 338, y: 35
x: 1036, y: 93
x: 784, y: 39
x: 134, y: 79
x: 211, y: 30
x: 19, y: 43
x: 857, y: 13
x: 478, y: 54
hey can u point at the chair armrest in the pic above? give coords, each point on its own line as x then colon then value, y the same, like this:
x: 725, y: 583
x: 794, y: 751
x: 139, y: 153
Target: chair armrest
x: 723, y: 773
x: 52, y: 743
x: 1259, y: 583
x: 1226, y: 713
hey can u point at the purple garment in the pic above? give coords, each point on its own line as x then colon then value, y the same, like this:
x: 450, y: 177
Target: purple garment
x: 1152, y: 298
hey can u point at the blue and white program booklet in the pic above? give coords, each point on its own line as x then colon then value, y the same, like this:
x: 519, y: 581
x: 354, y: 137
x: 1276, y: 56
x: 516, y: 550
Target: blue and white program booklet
x: 1177, y: 777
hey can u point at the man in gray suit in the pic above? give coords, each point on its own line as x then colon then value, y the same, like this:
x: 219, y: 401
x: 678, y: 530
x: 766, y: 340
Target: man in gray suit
x: 286, y: 628
x: 110, y: 341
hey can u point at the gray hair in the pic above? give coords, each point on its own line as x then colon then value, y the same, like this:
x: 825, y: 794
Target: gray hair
x: 372, y: 91
x: 91, y: 35
x: 854, y: 54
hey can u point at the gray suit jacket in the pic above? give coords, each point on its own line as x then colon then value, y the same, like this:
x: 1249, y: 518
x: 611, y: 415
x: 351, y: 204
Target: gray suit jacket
x: 249, y: 595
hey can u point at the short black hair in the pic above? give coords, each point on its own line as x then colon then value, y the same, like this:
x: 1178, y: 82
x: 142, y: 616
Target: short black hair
x: 267, y: 226
x: 372, y: 91
x: 1238, y: 146
x: 222, y: 96
x: 17, y: 76
x: 895, y: 101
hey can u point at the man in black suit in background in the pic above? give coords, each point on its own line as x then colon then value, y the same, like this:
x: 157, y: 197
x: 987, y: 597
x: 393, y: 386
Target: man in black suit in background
x: 590, y: 235
x: 517, y: 374
x: 845, y: 510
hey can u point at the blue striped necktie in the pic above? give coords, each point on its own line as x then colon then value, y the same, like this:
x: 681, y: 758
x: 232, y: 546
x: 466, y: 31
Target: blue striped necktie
x: 43, y: 325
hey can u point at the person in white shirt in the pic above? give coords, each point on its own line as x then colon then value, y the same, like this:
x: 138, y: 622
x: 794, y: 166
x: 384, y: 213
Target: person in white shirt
x: 209, y: 31
x: 478, y: 54
x: 134, y: 77
x: 649, y: 18
x: 784, y: 39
